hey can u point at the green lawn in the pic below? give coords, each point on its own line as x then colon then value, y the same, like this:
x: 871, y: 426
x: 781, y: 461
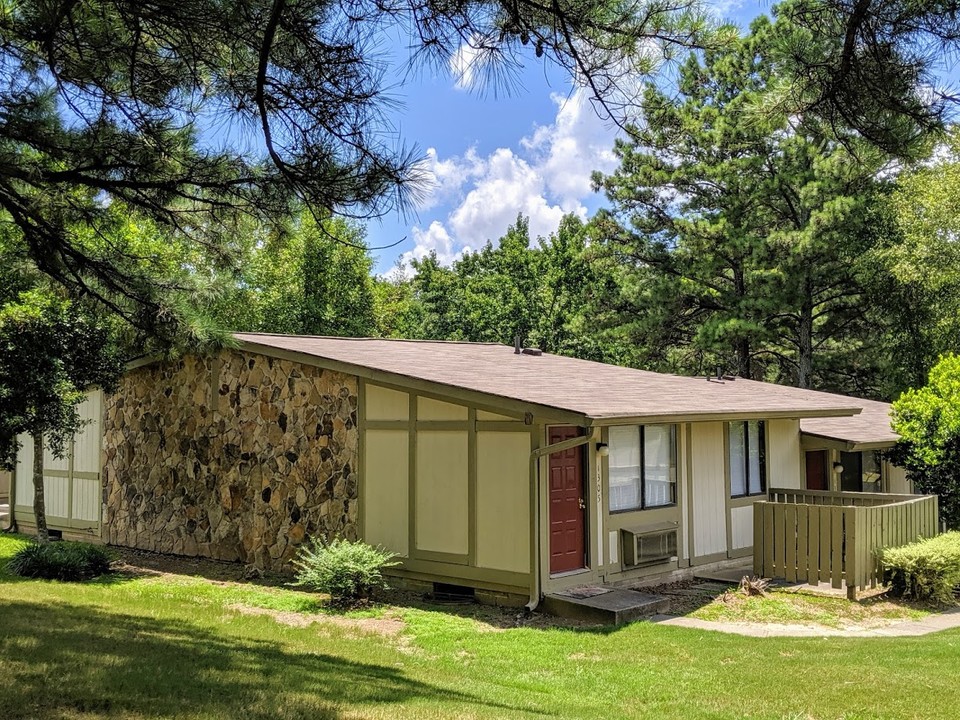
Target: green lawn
x: 180, y: 647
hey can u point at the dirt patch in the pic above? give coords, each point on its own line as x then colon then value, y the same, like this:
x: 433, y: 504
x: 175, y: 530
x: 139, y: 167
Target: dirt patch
x: 718, y: 602
x: 141, y: 563
x: 487, y: 618
x: 386, y: 626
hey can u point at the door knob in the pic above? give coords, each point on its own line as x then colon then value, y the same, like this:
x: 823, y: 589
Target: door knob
x: 582, y: 505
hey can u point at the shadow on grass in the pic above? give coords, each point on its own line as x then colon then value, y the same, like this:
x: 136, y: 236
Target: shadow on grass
x: 61, y: 660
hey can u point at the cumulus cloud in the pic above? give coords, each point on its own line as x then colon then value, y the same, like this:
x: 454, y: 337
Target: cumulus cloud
x: 469, y: 62
x: 547, y: 176
x: 577, y: 143
x: 434, y: 239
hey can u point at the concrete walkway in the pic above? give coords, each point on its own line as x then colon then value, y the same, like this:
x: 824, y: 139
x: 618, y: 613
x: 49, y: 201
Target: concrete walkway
x: 946, y: 620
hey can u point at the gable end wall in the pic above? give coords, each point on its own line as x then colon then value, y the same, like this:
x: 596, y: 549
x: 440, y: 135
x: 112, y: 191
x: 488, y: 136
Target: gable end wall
x: 236, y: 457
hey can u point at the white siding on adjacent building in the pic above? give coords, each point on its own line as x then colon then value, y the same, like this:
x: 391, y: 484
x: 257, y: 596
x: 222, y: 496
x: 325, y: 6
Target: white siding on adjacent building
x: 87, y: 443
x: 71, y: 484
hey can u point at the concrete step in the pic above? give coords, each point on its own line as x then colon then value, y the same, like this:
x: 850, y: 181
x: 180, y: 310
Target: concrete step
x: 612, y: 606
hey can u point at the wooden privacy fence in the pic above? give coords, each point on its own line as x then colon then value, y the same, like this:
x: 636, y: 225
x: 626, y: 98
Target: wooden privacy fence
x: 815, y: 536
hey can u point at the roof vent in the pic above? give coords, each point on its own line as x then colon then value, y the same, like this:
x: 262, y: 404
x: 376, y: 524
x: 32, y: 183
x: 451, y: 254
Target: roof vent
x: 516, y: 344
x: 536, y: 352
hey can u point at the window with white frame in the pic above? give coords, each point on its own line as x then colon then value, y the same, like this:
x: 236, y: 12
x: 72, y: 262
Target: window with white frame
x: 746, y: 451
x: 643, y: 466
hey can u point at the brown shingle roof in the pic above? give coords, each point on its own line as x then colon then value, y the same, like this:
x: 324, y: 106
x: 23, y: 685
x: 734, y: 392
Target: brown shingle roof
x: 871, y: 427
x: 591, y: 389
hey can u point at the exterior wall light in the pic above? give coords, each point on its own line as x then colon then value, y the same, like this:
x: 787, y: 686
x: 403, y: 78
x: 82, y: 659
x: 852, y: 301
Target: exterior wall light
x: 603, y: 450
x: 838, y: 468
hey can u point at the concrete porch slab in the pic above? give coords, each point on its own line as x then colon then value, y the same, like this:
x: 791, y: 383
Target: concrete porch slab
x: 614, y: 607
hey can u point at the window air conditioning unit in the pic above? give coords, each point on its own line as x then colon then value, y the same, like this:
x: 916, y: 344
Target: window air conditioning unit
x: 649, y: 544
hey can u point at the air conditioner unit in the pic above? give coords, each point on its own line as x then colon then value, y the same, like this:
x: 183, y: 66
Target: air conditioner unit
x: 649, y: 545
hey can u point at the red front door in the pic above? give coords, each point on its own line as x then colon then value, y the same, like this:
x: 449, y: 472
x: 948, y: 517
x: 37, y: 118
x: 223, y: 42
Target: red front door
x: 817, y: 470
x: 567, y: 549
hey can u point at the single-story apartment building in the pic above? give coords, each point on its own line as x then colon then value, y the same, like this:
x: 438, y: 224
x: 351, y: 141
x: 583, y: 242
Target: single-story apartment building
x: 846, y: 453
x: 510, y: 471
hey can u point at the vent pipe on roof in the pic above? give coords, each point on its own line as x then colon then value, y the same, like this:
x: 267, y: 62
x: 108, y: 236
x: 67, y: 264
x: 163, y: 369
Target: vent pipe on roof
x: 516, y: 344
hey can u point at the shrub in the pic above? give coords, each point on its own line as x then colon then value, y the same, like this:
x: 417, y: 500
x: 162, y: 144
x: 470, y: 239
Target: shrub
x: 349, y: 571
x: 925, y: 570
x: 60, y: 561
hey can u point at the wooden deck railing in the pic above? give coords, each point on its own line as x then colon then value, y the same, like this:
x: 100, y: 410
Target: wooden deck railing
x: 815, y: 536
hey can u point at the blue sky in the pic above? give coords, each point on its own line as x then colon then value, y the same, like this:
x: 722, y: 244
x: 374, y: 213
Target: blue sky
x: 491, y: 155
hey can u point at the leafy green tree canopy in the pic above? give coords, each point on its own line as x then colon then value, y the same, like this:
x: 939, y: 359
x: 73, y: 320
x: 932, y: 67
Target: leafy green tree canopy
x: 876, y: 67
x: 106, y: 102
x: 928, y: 422
x: 51, y: 351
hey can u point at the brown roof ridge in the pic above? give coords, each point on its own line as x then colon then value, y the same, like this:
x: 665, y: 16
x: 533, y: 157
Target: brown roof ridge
x: 373, y: 339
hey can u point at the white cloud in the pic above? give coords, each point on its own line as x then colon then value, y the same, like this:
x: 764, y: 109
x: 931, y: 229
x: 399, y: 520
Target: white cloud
x: 508, y: 186
x: 577, y: 143
x: 547, y: 176
x: 444, y: 179
x: 434, y: 239
x: 723, y: 8
x: 469, y: 62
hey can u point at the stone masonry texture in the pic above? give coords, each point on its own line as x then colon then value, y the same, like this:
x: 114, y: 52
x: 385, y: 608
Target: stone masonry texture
x: 235, y: 456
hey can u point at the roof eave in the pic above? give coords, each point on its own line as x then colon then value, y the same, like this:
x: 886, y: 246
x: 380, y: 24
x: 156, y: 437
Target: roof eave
x: 541, y: 413
x: 790, y: 414
x: 851, y: 445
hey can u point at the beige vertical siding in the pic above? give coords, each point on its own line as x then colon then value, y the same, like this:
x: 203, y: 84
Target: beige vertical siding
x: 683, y: 484
x: 783, y: 454
x: 709, y: 489
x: 385, y: 404
x: 897, y: 480
x: 386, y: 486
x: 429, y: 409
x: 741, y: 526
x: 442, y: 494
x: 483, y: 415
x: 503, y: 501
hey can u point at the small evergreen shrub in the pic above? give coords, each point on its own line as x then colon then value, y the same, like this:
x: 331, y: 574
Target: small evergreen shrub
x: 924, y: 570
x: 60, y: 561
x: 349, y: 571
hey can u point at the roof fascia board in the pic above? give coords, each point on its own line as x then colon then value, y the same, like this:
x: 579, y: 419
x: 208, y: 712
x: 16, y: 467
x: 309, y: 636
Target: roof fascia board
x: 714, y: 417
x: 144, y: 361
x: 845, y: 444
x: 542, y: 413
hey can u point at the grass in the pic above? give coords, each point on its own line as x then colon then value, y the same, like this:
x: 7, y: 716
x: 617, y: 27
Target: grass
x: 790, y: 607
x: 162, y: 646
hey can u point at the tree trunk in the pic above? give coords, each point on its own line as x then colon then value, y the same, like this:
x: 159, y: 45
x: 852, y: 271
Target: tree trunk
x: 39, y: 507
x: 744, y: 365
x: 805, y: 344
x: 741, y: 345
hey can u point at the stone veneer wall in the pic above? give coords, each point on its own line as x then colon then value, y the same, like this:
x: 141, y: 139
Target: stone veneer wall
x: 237, y: 456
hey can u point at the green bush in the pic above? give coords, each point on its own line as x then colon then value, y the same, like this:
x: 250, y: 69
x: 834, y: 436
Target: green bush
x: 60, y: 561
x: 349, y: 571
x: 924, y: 570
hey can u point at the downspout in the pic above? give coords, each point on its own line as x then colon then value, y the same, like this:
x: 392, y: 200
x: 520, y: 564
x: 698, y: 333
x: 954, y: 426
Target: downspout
x: 535, y: 497
x: 534, y: 533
